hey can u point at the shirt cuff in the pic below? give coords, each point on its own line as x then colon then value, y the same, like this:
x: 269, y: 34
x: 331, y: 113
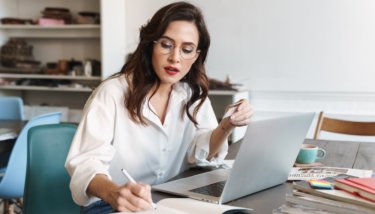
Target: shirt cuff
x: 201, y: 151
x: 80, y: 184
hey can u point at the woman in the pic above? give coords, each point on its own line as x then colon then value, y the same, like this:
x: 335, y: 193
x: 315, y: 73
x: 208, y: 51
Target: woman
x: 152, y: 119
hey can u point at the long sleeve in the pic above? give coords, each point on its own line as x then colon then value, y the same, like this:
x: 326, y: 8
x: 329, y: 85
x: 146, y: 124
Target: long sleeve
x: 91, y: 151
x: 107, y: 140
x: 200, y: 147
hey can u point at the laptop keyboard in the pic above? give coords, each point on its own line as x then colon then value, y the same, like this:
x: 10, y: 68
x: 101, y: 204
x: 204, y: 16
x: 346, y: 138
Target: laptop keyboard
x: 214, y: 189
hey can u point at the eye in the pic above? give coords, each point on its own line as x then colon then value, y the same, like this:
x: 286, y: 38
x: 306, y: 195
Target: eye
x: 166, y: 44
x: 188, y: 49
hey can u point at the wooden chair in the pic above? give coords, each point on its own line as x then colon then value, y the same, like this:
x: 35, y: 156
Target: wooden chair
x: 343, y: 127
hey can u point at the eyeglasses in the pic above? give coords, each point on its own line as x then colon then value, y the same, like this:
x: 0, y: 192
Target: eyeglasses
x: 166, y: 46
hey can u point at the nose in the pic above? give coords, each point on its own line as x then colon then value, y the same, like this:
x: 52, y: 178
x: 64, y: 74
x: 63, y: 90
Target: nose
x: 175, y: 55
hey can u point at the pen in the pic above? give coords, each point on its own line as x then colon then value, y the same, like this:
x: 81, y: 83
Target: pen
x: 127, y: 175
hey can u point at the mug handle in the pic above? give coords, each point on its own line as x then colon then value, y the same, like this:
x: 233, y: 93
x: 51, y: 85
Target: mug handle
x: 321, y: 153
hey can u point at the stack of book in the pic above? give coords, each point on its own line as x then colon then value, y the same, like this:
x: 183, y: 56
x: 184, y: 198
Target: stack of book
x: 346, y: 195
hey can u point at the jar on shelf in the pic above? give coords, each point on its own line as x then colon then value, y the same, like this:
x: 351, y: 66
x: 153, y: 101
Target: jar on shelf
x: 88, y: 68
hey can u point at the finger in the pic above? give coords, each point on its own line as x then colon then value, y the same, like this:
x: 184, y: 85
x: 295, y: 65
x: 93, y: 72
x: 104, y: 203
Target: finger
x: 235, y: 105
x: 245, y: 105
x: 239, y: 102
x: 123, y: 201
x: 243, y: 122
x: 229, y: 112
x: 127, y: 206
x: 133, y: 201
x: 148, y: 193
x: 140, y: 203
x: 242, y: 114
x: 141, y: 189
x: 143, y: 193
x: 241, y: 119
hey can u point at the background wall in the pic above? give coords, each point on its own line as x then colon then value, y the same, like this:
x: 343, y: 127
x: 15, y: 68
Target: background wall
x: 293, y: 55
x: 287, y: 45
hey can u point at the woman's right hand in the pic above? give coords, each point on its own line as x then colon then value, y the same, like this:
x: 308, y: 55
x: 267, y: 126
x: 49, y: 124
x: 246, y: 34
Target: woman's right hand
x: 131, y: 197
x: 128, y: 197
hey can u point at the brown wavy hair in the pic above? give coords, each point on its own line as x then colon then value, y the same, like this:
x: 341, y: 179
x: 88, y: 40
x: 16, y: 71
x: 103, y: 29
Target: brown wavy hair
x: 138, y: 69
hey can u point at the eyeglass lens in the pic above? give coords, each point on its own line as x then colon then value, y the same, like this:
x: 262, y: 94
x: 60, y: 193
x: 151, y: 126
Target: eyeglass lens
x: 166, y: 46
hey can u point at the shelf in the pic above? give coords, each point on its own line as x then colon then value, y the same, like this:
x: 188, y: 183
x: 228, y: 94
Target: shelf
x: 226, y: 92
x: 44, y: 88
x: 58, y: 31
x: 54, y: 27
x: 46, y: 76
x: 56, y: 42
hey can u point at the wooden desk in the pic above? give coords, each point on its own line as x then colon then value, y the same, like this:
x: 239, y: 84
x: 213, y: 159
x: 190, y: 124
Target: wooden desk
x: 7, y: 145
x: 339, y: 154
x: 16, y: 125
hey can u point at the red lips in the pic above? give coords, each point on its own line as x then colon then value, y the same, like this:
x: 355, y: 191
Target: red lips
x: 171, y: 70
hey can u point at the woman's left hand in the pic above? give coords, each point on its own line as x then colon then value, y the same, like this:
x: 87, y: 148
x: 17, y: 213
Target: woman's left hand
x: 242, y: 113
x: 237, y: 114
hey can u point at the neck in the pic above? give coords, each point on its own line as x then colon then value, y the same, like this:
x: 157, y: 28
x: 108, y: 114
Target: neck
x: 160, y: 100
x: 164, y: 90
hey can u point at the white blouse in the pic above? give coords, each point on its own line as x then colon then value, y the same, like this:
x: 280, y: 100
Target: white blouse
x: 107, y: 140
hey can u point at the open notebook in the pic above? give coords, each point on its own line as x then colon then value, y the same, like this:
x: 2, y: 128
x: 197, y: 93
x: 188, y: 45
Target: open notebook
x: 191, y: 206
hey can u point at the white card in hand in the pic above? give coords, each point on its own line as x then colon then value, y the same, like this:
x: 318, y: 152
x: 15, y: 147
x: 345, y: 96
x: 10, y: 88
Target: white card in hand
x: 230, y: 111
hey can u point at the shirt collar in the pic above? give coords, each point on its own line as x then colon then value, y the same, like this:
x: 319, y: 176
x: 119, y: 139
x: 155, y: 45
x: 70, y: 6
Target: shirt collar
x: 177, y: 99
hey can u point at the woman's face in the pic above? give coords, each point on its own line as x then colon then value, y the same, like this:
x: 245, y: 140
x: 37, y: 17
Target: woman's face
x: 175, y: 52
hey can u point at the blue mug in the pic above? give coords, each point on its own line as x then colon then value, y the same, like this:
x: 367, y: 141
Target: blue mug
x: 309, y: 153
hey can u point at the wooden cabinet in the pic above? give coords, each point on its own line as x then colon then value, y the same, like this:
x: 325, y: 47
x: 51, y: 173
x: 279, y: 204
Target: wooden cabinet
x: 60, y: 42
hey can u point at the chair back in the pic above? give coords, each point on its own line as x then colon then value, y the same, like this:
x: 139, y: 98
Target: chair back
x: 13, y: 182
x: 343, y: 126
x: 11, y: 108
x: 47, y: 181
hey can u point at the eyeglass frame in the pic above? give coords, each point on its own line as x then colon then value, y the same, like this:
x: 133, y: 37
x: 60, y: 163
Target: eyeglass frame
x: 196, y: 51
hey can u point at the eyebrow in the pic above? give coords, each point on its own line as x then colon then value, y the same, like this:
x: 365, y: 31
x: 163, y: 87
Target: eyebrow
x: 184, y: 43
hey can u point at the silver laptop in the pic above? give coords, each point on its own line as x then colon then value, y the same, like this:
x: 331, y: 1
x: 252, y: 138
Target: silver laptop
x: 265, y: 158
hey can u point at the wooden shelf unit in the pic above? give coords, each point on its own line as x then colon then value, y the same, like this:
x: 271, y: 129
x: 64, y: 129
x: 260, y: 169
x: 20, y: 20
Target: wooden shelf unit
x: 42, y: 32
x: 105, y: 42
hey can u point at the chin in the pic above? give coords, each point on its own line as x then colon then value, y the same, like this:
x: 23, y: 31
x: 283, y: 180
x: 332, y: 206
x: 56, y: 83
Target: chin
x: 170, y: 80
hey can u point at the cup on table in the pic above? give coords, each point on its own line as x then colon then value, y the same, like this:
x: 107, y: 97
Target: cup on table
x: 309, y: 153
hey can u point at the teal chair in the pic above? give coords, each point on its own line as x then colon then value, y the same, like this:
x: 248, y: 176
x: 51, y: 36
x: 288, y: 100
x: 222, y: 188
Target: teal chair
x: 12, y: 181
x: 47, y: 181
x: 11, y: 108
